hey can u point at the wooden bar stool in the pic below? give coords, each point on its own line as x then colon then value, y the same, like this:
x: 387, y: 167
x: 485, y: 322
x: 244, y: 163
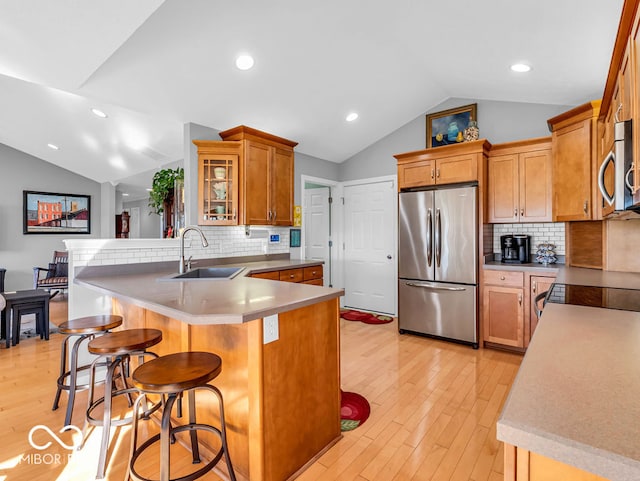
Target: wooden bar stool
x: 171, y: 376
x: 116, y: 348
x: 79, y: 330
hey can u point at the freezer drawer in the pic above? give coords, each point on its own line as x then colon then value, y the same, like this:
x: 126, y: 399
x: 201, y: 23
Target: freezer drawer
x: 438, y: 309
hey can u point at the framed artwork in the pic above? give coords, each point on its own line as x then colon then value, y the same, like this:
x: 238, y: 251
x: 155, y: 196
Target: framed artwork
x: 53, y: 213
x: 447, y: 127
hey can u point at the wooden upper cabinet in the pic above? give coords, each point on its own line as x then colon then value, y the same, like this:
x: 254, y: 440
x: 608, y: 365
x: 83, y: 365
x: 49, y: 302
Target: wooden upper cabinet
x: 519, y: 187
x: 441, y: 165
x: 266, y: 176
x: 218, y: 166
x: 575, y: 164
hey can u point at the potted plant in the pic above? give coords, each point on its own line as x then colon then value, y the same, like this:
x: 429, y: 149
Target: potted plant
x: 162, y: 188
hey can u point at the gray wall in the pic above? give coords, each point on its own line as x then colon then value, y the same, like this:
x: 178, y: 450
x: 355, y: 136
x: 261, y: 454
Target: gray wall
x: 193, y: 132
x: 149, y: 221
x: 313, y: 167
x: 498, y: 122
x: 19, y: 253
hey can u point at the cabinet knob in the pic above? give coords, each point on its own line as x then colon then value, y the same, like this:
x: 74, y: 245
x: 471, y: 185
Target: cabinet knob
x: 520, y: 299
x: 432, y: 176
x: 585, y: 207
x: 502, y: 278
x: 521, y: 212
x: 533, y: 287
x: 291, y: 276
x: 515, y: 212
x: 437, y: 173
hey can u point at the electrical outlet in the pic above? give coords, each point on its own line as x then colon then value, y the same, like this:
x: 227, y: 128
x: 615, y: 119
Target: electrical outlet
x: 270, y: 329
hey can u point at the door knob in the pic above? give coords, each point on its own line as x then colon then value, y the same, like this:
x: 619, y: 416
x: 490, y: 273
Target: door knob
x: 389, y: 256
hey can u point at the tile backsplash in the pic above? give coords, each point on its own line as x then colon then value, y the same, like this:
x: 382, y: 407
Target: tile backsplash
x: 223, y: 242
x: 541, y: 232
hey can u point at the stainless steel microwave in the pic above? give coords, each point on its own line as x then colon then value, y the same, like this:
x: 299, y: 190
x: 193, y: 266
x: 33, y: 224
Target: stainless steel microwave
x: 616, y: 172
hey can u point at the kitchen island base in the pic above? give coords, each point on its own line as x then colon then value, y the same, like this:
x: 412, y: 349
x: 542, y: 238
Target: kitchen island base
x: 523, y: 465
x: 282, y: 399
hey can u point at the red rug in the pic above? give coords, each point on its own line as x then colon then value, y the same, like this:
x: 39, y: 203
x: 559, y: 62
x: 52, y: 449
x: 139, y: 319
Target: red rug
x: 354, y: 410
x: 366, y: 317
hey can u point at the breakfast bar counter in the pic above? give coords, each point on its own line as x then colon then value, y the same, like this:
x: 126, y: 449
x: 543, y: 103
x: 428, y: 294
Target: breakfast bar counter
x: 279, y: 344
x: 576, y: 399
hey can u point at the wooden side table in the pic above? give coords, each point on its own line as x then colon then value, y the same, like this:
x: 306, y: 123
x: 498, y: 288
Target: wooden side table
x: 10, y: 319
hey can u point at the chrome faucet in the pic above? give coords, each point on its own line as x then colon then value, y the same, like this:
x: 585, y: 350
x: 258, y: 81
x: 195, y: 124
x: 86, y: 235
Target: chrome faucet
x: 182, y: 234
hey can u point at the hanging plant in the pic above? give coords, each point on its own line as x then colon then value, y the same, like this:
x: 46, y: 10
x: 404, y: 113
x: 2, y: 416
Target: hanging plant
x: 162, y: 187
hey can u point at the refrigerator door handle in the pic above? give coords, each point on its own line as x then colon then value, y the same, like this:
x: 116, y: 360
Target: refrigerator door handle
x: 436, y: 288
x: 438, y: 235
x: 429, y: 234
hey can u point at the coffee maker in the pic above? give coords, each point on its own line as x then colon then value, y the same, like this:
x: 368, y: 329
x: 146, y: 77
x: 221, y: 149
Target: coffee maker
x: 515, y: 248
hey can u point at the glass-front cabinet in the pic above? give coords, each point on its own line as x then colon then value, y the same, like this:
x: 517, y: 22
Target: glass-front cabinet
x: 218, y: 164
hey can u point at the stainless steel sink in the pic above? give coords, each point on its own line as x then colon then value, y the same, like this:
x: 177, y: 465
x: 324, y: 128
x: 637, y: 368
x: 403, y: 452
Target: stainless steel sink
x: 206, y: 274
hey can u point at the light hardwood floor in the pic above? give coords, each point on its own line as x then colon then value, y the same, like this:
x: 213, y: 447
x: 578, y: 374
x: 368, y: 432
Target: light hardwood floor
x: 434, y: 407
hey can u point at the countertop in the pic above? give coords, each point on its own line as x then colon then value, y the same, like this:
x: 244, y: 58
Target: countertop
x: 576, y: 397
x: 234, y: 301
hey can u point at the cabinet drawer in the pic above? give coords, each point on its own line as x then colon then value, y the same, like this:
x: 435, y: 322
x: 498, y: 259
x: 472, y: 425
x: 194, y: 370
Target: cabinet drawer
x: 313, y: 272
x: 314, y: 282
x: 504, y: 278
x: 272, y: 275
x: 292, y: 275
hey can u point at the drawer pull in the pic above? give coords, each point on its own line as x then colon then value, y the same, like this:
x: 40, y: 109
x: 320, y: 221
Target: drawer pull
x: 502, y: 278
x: 291, y: 276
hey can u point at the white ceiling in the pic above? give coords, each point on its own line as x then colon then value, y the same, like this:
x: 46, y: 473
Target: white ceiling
x: 153, y: 65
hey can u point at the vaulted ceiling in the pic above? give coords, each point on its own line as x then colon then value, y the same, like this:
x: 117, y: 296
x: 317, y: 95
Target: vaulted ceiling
x: 153, y: 65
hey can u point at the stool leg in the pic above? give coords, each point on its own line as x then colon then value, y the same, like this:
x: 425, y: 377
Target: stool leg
x: 15, y: 317
x: 223, y: 431
x: 195, y: 450
x: 73, y: 379
x: 106, y: 423
x: 134, y: 431
x: 63, y: 369
x: 165, y: 441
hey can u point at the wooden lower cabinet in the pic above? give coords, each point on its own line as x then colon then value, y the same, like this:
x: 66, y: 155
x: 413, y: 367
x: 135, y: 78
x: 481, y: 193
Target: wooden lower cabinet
x: 502, y: 308
x: 306, y: 275
x: 523, y: 465
x: 508, y: 308
x: 537, y: 285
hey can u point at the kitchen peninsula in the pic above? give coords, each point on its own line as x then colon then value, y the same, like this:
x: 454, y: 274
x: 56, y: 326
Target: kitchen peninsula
x: 282, y: 398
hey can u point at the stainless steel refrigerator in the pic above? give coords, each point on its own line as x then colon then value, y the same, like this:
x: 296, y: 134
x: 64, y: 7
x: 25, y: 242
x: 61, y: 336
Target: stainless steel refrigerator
x: 437, y: 263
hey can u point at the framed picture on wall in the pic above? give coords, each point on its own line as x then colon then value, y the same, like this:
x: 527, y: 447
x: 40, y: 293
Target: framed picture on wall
x: 54, y: 213
x: 447, y: 127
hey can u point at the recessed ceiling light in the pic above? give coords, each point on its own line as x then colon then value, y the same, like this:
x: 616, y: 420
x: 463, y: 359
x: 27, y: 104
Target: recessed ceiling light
x: 244, y: 62
x: 352, y: 116
x: 124, y: 194
x: 53, y: 146
x: 520, y: 67
x: 99, y: 113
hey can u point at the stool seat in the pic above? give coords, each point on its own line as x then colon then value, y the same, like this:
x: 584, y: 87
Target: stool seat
x: 177, y: 372
x: 123, y: 342
x: 90, y: 324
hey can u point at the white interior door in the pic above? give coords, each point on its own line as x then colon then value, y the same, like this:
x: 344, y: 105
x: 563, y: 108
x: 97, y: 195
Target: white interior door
x: 370, y: 246
x: 317, y: 227
x: 134, y: 223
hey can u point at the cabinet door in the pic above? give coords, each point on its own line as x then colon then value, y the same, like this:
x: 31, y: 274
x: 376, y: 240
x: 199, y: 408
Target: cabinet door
x: 535, y: 186
x: 217, y: 189
x: 503, y: 315
x: 572, y: 172
x: 459, y: 168
x: 538, y: 285
x: 281, y: 184
x: 256, y: 179
x: 503, y: 189
x: 416, y: 174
